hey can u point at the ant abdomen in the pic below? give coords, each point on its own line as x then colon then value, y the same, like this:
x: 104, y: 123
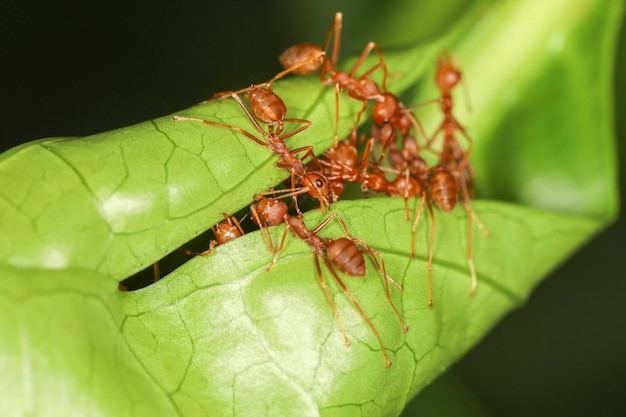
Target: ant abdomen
x: 444, y: 190
x: 305, y: 57
x: 346, y: 256
x: 267, y: 106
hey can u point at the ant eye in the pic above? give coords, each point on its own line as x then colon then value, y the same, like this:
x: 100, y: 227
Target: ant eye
x: 319, y: 182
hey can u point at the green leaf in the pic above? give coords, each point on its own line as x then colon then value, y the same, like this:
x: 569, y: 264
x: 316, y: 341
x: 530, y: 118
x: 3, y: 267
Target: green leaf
x: 220, y: 335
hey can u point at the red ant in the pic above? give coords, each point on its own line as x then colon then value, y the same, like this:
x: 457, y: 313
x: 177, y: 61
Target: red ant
x: 346, y: 255
x: 271, y: 109
x: 452, y: 157
x: 362, y: 88
x: 300, y: 59
x: 453, y: 175
x: 225, y: 231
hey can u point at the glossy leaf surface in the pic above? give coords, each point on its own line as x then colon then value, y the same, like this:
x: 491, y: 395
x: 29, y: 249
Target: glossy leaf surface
x: 220, y: 335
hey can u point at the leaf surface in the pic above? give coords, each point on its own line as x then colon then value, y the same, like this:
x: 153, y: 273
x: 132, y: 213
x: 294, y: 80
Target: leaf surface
x: 220, y: 335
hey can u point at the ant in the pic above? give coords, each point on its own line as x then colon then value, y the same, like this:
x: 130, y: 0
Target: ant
x: 300, y: 59
x: 272, y: 110
x: 225, y: 231
x: 453, y: 175
x: 345, y: 254
x: 361, y: 88
x: 454, y: 162
x: 452, y: 156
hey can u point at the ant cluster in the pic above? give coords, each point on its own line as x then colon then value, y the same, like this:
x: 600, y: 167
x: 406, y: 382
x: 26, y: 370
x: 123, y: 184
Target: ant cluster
x: 390, y: 162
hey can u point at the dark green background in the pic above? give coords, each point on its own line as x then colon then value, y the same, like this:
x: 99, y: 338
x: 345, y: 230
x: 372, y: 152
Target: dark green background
x: 80, y: 68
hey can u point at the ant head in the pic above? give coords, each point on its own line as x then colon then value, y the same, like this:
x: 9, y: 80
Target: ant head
x: 318, y: 187
x: 227, y: 230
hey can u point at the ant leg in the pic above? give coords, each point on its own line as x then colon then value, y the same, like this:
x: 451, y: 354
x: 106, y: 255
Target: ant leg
x: 306, y: 125
x: 212, y: 244
x: 155, y: 271
x: 406, y: 197
x: 381, y: 63
x: 281, y: 245
x: 431, y: 245
x: 208, y: 122
x: 223, y: 94
x: 471, y: 216
x: 264, y: 229
x: 356, y: 304
x: 328, y: 220
x: 308, y: 152
x: 336, y: 134
x: 335, y: 28
x: 356, y: 122
x: 415, y: 222
x: 293, y: 68
x: 430, y: 254
x: 320, y: 278
x: 380, y: 266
